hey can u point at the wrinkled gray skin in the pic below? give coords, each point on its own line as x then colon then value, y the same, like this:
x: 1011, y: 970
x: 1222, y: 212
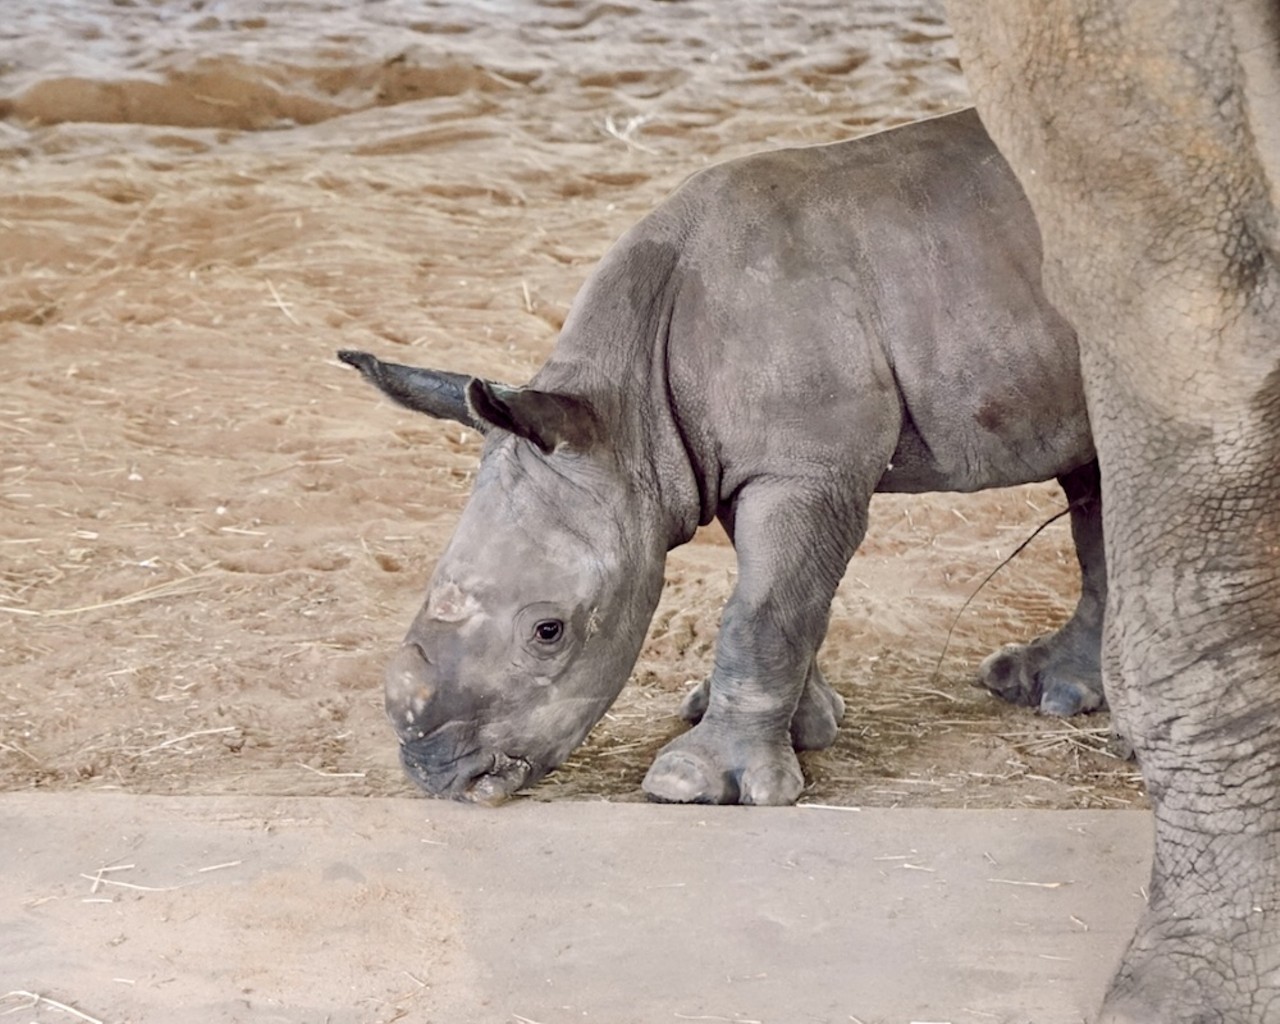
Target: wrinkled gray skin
x: 1147, y: 133
x: 784, y: 336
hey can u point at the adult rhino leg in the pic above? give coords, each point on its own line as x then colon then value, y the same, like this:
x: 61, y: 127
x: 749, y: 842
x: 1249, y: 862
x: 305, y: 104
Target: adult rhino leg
x: 793, y: 543
x: 1060, y: 673
x: 1145, y: 134
x: 814, y: 724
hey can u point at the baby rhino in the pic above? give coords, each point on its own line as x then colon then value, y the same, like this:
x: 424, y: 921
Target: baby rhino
x: 786, y: 335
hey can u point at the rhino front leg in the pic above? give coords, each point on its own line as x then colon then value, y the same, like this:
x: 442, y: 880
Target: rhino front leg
x: 1060, y: 673
x: 814, y: 724
x: 793, y: 544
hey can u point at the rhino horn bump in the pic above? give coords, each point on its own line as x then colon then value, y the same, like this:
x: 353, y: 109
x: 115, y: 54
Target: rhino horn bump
x: 408, y: 685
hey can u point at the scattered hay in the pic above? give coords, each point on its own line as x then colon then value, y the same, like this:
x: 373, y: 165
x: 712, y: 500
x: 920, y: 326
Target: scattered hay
x: 35, y: 999
x: 171, y: 588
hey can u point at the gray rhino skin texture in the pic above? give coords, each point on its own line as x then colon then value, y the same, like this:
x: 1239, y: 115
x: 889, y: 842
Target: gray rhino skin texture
x: 785, y: 335
x: 1147, y: 134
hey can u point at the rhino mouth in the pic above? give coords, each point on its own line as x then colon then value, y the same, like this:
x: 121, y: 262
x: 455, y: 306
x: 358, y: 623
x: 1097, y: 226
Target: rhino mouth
x: 505, y: 776
x: 477, y: 777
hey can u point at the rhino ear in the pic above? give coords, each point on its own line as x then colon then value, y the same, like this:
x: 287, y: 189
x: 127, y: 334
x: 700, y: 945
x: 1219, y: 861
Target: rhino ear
x: 435, y: 392
x: 547, y: 419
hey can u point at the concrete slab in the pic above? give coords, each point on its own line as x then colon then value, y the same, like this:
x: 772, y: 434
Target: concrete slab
x: 221, y: 909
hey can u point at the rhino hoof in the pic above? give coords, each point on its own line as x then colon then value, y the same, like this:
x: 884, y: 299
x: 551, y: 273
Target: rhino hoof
x: 1064, y: 698
x: 772, y: 786
x: 712, y: 765
x: 1045, y: 675
x: 680, y: 778
x: 1010, y: 673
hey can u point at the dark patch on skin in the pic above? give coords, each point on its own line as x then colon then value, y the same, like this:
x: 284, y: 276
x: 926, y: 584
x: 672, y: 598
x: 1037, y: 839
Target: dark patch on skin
x: 1267, y: 402
x: 991, y: 416
x: 650, y: 268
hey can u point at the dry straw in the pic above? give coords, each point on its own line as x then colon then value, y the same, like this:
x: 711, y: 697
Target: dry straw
x: 35, y: 999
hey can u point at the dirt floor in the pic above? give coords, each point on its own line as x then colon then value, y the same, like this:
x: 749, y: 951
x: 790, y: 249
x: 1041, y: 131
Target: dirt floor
x: 212, y: 534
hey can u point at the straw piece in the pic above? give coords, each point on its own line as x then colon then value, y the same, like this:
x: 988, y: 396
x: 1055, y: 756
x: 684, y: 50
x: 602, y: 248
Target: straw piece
x: 37, y: 999
x: 187, y: 736
x: 280, y: 304
x: 171, y: 588
x: 331, y: 775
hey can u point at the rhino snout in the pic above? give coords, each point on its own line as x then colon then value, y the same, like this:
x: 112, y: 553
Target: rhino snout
x: 409, y: 688
x: 474, y: 775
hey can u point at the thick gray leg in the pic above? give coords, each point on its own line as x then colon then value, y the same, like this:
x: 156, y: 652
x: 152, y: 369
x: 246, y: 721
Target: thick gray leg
x: 1060, y: 673
x: 814, y: 724
x: 793, y: 544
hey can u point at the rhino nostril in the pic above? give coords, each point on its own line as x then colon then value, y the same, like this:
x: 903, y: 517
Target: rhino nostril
x: 408, y: 685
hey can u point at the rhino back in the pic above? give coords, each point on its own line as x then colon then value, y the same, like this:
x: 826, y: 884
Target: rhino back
x: 811, y: 279
x: 791, y: 311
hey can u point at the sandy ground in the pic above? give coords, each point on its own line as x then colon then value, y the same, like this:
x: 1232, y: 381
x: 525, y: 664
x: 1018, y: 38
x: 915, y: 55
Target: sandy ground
x: 212, y: 535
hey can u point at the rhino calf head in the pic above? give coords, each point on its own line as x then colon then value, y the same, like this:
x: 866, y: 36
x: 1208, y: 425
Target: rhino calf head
x: 539, y: 604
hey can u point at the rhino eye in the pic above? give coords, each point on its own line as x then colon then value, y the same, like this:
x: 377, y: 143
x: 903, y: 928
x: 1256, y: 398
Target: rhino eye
x: 548, y: 631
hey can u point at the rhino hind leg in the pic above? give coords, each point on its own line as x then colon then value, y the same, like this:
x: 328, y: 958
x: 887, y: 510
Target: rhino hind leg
x: 814, y: 724
x: 1061, y: 673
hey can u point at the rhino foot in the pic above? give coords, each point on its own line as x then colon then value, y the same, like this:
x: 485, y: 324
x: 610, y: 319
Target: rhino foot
x: 708, y: 765
x: 1185, y: 970
x: 814, y: 724
x: 1045, y: 675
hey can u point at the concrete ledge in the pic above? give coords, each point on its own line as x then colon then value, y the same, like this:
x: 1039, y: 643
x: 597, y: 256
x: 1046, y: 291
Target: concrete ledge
x: 220, y: 909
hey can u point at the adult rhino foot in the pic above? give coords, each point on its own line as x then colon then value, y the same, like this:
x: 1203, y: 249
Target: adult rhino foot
x: 813, y: 726
x: 1044, y: 675
x: 1173, y: 973
x: 710, y: 765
